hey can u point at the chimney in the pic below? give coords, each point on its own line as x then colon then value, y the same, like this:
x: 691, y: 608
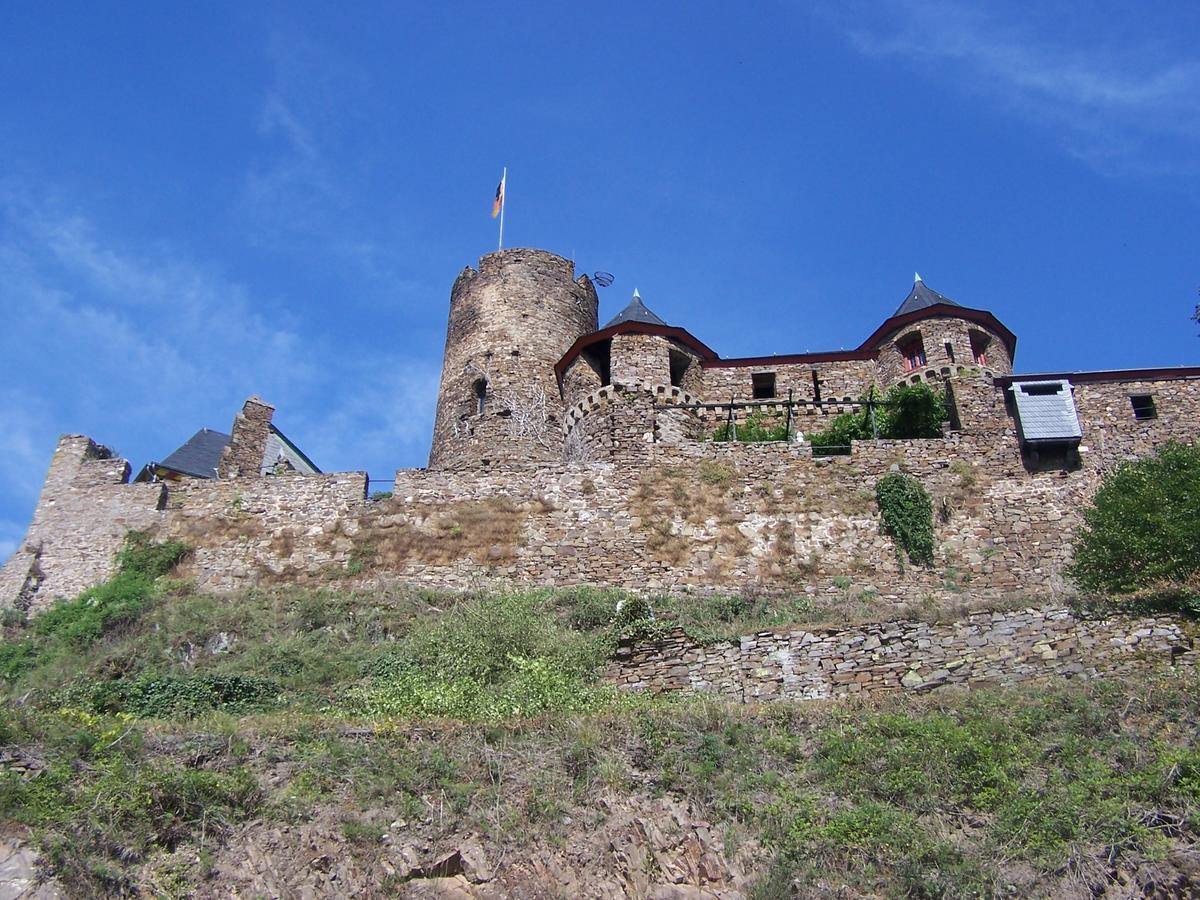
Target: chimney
x: 243, y: 457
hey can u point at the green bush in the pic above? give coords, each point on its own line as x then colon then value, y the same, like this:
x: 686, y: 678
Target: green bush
x: 755, y: 429
x: 906, y: 411
x: 907, y: 515
x: 172, y: 696
x: 1140, y: 530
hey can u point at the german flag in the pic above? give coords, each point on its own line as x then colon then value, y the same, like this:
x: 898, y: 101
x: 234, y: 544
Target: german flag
x: 498, y: 203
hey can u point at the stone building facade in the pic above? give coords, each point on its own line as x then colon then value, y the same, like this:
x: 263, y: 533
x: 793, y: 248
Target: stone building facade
x: 564, y: 453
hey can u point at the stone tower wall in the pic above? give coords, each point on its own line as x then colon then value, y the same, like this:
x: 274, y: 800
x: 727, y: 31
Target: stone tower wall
x: 936, y: 333
x: 510, y: 322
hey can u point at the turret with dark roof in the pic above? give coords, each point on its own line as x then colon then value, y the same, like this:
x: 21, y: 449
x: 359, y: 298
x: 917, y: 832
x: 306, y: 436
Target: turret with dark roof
x: 636, y: 311
x: 920, y: 297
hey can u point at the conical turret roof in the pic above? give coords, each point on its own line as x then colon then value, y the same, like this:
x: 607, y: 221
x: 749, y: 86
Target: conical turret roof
x: 920, y: 297
x: 636, y: 311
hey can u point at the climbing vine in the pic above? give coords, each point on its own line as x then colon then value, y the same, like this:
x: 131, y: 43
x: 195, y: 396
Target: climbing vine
x: 907, y: 515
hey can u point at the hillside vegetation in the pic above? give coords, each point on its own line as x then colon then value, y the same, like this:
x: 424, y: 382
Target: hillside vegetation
x: 159, y: 741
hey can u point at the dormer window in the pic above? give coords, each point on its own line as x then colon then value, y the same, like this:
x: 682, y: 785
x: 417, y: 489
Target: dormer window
x: 979, y: 347
x: 763, y: 384
x: 912, y: 348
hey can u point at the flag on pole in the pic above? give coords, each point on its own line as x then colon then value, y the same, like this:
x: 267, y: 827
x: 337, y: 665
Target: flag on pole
x: 498, y: 203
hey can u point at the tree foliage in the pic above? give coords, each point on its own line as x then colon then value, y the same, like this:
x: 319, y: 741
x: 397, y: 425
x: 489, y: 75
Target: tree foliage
x: 1141, y: 528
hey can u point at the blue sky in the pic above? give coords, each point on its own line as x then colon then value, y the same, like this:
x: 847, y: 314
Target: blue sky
x: 203, y: 201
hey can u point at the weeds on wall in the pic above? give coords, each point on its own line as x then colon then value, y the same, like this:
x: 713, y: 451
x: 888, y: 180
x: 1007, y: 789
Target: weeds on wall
x: 907, y: 515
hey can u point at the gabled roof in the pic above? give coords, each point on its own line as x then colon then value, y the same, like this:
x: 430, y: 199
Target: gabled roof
x: 199, y: 455
x: 920, y: 297
x: 1046, y: 411
x: 636, y: 311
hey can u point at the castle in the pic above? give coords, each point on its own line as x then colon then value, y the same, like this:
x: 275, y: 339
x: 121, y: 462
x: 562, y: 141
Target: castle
x: 567, y: 453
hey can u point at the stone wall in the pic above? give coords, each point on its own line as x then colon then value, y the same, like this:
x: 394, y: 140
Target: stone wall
x: 985, y: 648
x: 643, y: 505
x: 845, y: 380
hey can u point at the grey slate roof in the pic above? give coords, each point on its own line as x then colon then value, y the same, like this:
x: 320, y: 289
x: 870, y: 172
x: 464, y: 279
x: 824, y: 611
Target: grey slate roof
x: 199, y: 454
x: 1046, y: 411
x: 921, y: 297
x: 635, y: 312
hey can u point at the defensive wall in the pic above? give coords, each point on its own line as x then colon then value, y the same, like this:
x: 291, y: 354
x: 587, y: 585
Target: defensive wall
x: 656, y: 511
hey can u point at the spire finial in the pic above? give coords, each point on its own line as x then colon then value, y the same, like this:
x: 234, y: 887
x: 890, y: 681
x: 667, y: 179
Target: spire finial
x: 636, y: 295
x: 916, y: 277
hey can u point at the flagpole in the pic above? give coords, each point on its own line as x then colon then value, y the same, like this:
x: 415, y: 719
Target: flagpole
x: 503, y: 202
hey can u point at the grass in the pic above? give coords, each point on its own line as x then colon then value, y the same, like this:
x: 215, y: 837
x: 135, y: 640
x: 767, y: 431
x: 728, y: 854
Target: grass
x: 157, y: 721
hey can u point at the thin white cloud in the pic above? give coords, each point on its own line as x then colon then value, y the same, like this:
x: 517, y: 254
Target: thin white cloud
x: 1120, y: 103
x: 142, y: 345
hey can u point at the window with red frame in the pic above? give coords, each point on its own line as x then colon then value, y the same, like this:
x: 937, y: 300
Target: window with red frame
x: 912, y: 348
x: 979, y: 347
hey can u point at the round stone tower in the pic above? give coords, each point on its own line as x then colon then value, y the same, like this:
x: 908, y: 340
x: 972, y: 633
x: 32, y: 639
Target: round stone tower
x: 510, y: 322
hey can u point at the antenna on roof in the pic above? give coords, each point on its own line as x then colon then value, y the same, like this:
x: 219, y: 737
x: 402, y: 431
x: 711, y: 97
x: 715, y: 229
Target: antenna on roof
x: 602, y: 279
x: 916, y: 277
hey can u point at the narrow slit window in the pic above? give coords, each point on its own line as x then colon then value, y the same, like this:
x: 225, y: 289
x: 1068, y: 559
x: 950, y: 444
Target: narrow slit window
x: 816, y: 386
x: 763, y: 384
x: 949, y: 351
x: 1143, y: 406
x: 480, y: 388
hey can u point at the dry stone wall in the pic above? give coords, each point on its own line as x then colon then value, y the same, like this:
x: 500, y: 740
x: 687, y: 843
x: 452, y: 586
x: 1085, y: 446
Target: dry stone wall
x: 986, y: 648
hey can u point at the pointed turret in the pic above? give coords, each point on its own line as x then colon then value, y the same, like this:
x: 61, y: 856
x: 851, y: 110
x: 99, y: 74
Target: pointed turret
x: 636, y: 311
x: 921, y: 297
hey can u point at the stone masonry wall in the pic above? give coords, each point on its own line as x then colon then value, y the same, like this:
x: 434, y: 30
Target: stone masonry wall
x: 985, y: 648
x: 935, y: 333
x: 646, y: 508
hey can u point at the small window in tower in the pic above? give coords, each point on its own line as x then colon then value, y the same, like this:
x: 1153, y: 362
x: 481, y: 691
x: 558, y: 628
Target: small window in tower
x: 679, y: 363
x: 763, y: 384
x: 949, y: 351
x: 816, y: 386
x: 979, y: 347
x: 912, y: 348
x: 1143, y: 406
x: 480, y: 388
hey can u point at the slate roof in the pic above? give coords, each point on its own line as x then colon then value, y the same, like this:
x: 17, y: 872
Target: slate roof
x: 921, y: 297
x: 199, y: 454
x: 1046, y: 411
x: 636, y: 311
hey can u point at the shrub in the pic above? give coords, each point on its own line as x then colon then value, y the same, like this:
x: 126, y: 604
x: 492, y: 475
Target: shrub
x: 756, y: 428
x: 1140, y: 529
x: 906, y: 411
x: 907, y: 515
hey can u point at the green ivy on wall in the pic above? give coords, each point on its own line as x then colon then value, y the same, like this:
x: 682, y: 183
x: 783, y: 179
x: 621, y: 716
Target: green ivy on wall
x: 907, y: 515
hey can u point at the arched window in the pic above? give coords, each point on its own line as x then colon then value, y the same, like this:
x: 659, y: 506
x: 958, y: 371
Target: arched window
x: 480, y: 387
x: 912, y: 348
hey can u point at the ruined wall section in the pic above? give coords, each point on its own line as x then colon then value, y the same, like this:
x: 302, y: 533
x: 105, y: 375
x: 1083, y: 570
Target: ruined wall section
x: 84, y: 512
x: 986, y: 648
x: 245, y: 454
x: 509, y: 323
